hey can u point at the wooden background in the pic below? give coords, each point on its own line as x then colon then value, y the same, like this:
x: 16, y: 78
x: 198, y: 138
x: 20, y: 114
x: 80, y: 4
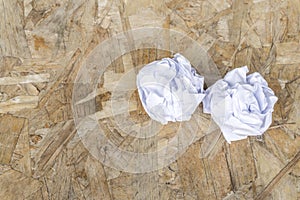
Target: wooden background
x: 42, y: 46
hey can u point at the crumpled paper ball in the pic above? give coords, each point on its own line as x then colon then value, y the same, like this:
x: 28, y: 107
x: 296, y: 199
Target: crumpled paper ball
x: 170, y: 89
x: 241, y: 105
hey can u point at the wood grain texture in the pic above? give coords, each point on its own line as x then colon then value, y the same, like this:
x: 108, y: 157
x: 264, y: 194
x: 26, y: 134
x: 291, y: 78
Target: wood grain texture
x: 43, y: 46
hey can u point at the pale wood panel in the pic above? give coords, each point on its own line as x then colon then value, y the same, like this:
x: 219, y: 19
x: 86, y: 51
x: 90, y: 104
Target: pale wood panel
x: 43, y: 45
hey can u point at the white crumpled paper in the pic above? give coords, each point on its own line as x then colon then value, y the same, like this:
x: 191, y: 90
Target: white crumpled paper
x: 170, y: 89
x: 241, y: 105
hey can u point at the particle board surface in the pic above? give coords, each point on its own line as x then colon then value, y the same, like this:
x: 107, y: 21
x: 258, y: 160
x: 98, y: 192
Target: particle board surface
x: 44, y: 44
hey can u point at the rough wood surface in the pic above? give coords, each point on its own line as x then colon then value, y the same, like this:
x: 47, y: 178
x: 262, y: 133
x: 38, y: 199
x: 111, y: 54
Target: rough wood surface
x: 43, y: 45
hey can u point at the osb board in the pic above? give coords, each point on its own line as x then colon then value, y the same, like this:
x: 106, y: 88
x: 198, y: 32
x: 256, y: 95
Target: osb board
x: 43, y: 44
